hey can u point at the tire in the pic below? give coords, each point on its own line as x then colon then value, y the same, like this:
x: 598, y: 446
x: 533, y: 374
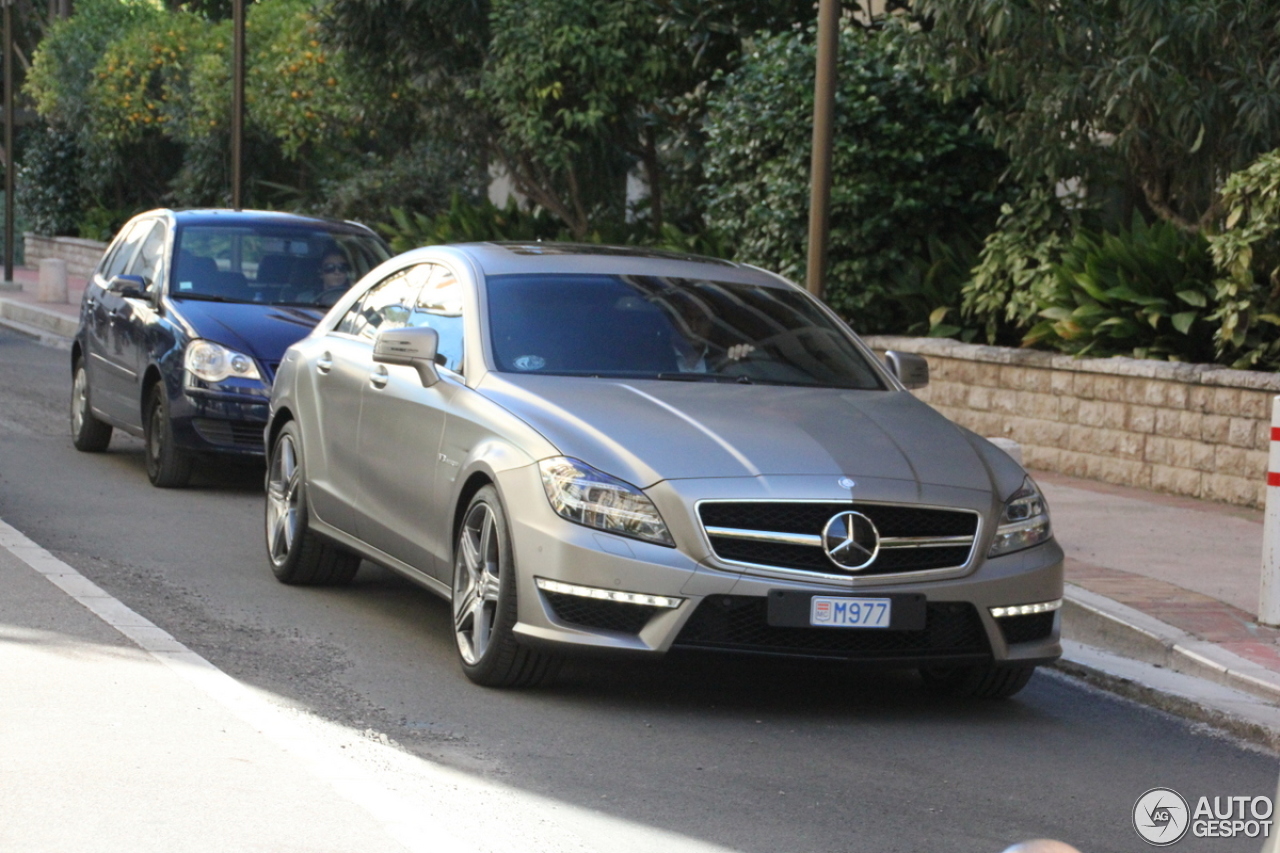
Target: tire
x: 484, y: 602
x: 985, y: 681
x: 88, y: 434
x: 298, y: 556
x: 168, y: 466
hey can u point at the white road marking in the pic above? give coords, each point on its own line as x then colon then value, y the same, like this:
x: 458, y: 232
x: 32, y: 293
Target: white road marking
x: 426, y: 807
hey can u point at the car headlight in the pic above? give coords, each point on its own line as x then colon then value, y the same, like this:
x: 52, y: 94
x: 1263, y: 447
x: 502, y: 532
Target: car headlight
x: 1024, y: 522
x: 214, y: 362
x: 592, y: 498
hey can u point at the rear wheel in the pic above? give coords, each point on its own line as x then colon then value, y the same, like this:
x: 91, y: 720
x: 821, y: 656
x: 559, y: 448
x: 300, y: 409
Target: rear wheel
x: 984, y: 681
x: 168, y: 466
x: 298, y: 556
x: 88, y: 434
x: 484, y: 602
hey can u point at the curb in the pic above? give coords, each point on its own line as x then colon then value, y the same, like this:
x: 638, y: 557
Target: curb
x: 1096, y: 620
x: 1127, y: 652
x: 1240, y: 715
x: 25, y: 318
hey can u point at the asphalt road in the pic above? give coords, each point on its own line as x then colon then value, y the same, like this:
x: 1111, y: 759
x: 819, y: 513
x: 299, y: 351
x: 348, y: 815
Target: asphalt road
x: 753, y: 756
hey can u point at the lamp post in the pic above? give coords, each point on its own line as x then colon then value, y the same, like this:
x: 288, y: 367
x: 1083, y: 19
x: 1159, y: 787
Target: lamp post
x: 824, y: 105
x: 237, y: 101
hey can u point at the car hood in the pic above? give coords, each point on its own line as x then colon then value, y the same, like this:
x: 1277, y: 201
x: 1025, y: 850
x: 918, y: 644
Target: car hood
x: 262, y: 331
x: 645, y: 431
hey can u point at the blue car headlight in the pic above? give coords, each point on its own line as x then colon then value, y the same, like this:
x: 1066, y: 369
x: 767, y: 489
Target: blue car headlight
x: 215, y: 363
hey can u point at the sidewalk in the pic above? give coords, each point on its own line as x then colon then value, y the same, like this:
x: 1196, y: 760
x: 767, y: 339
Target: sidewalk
x: 1160, y: 588
x: 53, y: 323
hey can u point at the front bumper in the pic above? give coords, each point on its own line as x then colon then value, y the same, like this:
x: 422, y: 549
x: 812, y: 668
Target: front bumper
x: 229, y: 423
x: 723, y: 605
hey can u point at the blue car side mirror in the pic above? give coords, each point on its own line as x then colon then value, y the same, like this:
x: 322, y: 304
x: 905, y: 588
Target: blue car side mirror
x: 128, y: 286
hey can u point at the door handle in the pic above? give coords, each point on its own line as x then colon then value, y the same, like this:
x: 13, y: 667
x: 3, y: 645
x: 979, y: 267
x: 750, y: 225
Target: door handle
x: 324, y: 363
x: 379, y: 377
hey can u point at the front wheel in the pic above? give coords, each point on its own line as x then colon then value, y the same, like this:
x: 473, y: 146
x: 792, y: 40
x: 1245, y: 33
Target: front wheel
x: 484, y: 602
x: 168, y: 466
x: 88, y: 434
x: 983, y: 681
x: 298, y: 556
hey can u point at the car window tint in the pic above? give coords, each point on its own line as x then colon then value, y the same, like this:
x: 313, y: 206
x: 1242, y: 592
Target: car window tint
x: 124, y: 250
x: 150, y: 257
x: 439, y: 307
x: 670, y: 328
x: 388, y: 305
x: 273, y: 262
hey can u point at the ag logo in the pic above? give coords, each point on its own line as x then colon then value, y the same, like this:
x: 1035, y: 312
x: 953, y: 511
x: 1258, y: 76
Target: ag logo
x: 1160, y: 816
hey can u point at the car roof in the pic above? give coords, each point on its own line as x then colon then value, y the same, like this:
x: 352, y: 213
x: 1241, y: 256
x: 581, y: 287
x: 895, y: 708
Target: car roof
x: 232, y: 218
x: 568, y: 258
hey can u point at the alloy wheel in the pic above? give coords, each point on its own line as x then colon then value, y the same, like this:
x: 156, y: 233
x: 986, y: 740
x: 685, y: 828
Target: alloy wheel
x: 79, y: 401
x: 283, y: 500
x: 476, y: 581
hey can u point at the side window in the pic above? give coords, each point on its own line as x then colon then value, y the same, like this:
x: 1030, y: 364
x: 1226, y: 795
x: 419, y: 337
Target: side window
x: 387, y: 305
x: 124, y: 250
x: 439, y: 307
x: 150, y: 257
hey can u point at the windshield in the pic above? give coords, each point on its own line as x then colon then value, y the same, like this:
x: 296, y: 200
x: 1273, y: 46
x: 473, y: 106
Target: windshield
x: 668, y: 328
x: 273, y: 264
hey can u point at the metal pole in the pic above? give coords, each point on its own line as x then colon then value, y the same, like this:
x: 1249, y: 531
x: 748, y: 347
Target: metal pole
x: 1269, y: 593
x: 8, y: 140
x: 237, y: 101
x: 824, y: 106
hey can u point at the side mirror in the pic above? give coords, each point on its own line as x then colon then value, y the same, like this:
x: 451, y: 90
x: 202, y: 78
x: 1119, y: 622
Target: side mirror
x: 911, y: 369
x: 414, y: 346
x: 128, y: 286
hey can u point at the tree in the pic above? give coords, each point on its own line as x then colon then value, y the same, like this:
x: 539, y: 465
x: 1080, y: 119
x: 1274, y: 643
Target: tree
x: 906, y: 169
x: 1177, y: 93
x: 572, y: 85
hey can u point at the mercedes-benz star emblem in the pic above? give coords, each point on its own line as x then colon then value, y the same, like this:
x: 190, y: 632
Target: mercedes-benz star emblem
x: 851, y: 541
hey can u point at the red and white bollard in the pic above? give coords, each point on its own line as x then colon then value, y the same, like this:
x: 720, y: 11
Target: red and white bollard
x: 1269, y: 596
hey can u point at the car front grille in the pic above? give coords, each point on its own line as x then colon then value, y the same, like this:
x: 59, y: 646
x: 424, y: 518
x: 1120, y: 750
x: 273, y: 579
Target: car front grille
x: 1026, y: 629
x: 788, y: 535
x: 241, y: 434
x: 739, y: 623
x: 605, y: 615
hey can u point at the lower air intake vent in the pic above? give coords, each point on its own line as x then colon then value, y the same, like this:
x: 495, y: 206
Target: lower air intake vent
x: 740, y: 623
x: 593, y: 613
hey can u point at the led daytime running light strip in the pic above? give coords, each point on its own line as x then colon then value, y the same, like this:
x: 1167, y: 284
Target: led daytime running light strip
x: 608, y: 594
x: 1026, y: 609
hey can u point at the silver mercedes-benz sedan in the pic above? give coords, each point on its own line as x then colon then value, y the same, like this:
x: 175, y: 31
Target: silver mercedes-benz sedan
x: 594, y: 449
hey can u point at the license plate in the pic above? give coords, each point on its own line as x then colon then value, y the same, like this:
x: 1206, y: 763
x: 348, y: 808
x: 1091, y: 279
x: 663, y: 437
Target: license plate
x: 827, y: 612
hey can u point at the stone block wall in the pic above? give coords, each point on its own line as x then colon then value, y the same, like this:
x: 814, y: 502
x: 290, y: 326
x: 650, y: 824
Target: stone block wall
x: 82, y: 256
x: 1197, y: 430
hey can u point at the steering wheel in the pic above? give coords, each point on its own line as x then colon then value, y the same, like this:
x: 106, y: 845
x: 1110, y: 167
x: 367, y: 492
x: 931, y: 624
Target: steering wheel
x: 328, y: 298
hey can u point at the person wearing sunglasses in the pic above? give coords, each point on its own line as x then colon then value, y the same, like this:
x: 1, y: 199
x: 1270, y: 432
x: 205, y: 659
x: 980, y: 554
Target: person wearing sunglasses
x: 335, y: 278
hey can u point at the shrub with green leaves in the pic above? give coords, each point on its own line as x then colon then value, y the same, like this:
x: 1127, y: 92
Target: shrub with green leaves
x: 1247, y: 255
x: 48, y: 193
x: 906, y: 167
x: 1144, y: 292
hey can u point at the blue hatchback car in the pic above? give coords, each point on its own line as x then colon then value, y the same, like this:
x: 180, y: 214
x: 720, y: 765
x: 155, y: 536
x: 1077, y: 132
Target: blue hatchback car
x: 186, y: 319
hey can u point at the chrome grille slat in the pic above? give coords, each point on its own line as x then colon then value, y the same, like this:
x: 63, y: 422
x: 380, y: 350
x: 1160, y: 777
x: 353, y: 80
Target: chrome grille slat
x: 815, y: 541
x: 786, y: 536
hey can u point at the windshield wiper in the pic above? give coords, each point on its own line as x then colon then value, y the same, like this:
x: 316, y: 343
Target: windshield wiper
x: 205, y: 297
x: 699, y: 377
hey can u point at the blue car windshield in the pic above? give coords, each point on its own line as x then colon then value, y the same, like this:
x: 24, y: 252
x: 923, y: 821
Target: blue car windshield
x: 669, y: 328
x: 273, y: 264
